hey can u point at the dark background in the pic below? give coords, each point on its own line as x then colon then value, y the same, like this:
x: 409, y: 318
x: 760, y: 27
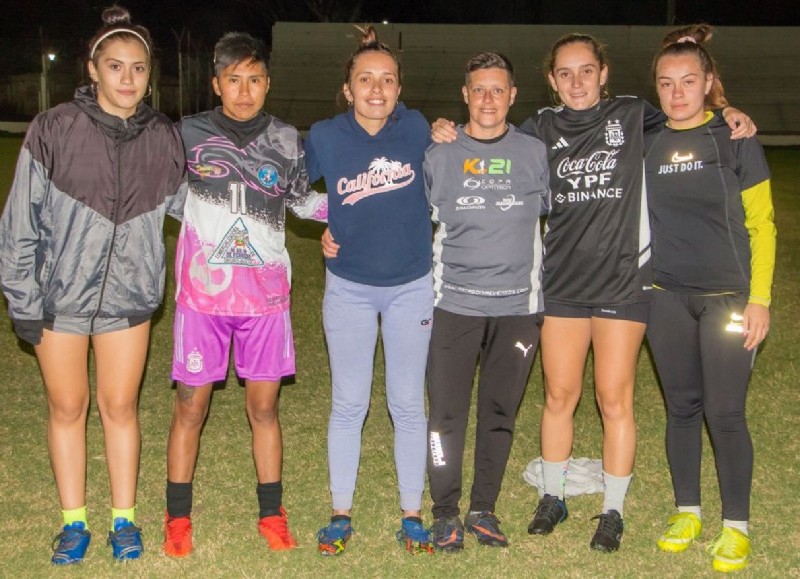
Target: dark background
x: 66, y: 25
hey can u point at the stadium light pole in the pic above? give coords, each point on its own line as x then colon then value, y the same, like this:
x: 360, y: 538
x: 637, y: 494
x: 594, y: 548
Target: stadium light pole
x: 48, y: 58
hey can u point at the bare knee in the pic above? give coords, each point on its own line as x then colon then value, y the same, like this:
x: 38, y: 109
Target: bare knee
x: 615, y: 408
x: 560, y: 400
x: 264, y: 413
x: 119, y: 410
x: 191, y: 408
x: 69, y: 411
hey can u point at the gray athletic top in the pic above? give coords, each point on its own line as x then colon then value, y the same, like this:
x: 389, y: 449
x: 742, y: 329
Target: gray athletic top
x: 486, y: 198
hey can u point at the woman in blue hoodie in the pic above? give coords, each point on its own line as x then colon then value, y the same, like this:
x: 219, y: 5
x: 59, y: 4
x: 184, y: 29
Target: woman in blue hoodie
x: 371, y: 159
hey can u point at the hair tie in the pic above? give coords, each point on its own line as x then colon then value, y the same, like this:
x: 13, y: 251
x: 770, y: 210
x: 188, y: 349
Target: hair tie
x: 686, y: 39
x: 115, y: 31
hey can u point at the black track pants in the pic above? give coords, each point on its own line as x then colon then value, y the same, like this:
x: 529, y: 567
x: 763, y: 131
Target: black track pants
x: 704, y: 371
x: 505, y: 347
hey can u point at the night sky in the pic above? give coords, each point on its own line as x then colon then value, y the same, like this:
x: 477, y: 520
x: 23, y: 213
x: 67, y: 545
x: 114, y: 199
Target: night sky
x: 67, y: 24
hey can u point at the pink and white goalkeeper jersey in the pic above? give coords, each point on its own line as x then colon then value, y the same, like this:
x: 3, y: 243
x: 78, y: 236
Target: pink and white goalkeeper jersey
x: 231, y: 255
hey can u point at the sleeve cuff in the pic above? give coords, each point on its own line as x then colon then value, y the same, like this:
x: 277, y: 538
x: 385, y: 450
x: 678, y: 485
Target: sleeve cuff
x: 759, y: 300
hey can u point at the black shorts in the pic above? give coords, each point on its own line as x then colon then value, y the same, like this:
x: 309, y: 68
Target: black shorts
x: 629, y: 312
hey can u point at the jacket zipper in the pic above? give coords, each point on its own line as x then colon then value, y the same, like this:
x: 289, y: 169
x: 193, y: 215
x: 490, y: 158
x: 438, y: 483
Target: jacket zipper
x: 114, y: 219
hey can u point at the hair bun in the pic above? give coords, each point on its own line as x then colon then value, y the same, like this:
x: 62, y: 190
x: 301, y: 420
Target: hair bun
x: 698, y: 33
x: 369, y: 36
x: 116, y: 16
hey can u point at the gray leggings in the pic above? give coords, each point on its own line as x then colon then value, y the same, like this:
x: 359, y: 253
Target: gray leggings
x: 704, y: 371
x: 350, y: 316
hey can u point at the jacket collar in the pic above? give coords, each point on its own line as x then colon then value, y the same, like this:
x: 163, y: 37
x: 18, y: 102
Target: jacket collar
x: 113, y: 126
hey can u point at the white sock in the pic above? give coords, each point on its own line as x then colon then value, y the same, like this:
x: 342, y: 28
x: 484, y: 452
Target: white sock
x: 555, y: 477
x: 694, y: 509
x: 738, y: 525
x: 616, y: 489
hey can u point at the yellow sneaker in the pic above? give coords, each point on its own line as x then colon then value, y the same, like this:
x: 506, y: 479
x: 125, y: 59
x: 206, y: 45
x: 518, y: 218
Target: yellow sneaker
x: 730, y: 548
x: 684, y: 528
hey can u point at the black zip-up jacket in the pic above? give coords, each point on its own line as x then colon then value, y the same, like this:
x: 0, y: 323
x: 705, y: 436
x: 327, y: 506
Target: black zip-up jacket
x: 81, y: 235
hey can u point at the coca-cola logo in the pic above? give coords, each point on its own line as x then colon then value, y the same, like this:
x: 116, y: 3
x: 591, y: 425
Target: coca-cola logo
x: 597, y: 162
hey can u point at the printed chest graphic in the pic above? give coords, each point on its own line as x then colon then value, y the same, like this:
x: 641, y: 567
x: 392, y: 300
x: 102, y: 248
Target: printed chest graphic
x: 217, y: 160
x: 236, y: 249
x: 587, y: 176
x: 493, y: 174
x: 382, y: 176
x: 679, y: 161
x: 244, y: 181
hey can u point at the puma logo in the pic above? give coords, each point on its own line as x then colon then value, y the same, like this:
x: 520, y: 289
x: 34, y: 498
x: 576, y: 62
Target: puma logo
x: 523, y: 348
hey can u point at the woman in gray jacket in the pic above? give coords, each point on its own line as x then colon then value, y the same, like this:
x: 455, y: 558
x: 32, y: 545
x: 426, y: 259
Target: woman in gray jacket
x: 82, y: 259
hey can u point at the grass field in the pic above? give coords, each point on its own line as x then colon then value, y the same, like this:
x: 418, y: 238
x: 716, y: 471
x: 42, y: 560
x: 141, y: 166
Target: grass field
x: 226, y: 541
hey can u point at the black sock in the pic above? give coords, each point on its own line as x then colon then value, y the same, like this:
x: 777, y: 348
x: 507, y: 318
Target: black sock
x: 179, y: 499
x: 414, y: 519
x: 270, y: 499
x: 335, y: 518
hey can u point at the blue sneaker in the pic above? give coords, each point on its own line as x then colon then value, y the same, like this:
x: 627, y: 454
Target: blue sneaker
x: 332, y: 540
x: 69, y: 546
x: 414, y: 537
x: 125, y: 540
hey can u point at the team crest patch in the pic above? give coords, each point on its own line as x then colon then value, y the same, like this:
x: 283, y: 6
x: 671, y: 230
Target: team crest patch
x: 268, y: 175
x: 194, y: 362
x: 614, y: 135
x: 236, y: 249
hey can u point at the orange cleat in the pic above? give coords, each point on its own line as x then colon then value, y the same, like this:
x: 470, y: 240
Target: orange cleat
x: 177, y: 536
x: 275, y: 529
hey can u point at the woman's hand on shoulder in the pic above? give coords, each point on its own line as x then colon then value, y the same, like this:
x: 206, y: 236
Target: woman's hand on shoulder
x: 755, y: 325
x: 742, y: 126
x: 443, y: 131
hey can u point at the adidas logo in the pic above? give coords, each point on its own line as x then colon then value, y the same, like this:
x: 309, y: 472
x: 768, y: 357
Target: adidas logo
x: 561, y: 144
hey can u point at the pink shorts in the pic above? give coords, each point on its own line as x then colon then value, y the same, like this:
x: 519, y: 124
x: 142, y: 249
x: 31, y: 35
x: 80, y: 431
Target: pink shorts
x: 263, y: 348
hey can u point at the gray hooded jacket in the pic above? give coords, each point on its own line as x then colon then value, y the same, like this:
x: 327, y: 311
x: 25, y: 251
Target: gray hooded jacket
x: 81, y: 235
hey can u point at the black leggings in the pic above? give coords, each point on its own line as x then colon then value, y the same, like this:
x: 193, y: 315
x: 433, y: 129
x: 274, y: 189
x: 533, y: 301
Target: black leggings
x: 704, y: 371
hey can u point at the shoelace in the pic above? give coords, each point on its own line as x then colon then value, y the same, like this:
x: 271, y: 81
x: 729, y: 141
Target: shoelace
x: 445, y: 529
x: 335, y: 532
x: 608, y: 524
x: 723, y: 542
x: 417, y: 532
x: 549, y: 509
x: 277, y: 525
x: 679, y: 526
x: 67, y: 540
x: 126, y: 536
x: 179, y: 526
x: 488, y: 519
x: 488, y: 525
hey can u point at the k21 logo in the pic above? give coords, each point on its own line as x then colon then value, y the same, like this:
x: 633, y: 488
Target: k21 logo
x: 487, y: 166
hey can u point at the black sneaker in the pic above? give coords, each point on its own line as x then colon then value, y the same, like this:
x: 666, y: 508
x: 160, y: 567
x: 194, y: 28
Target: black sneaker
x: 486, y: 528
x: 550, y: 511
x: 447, y: 534
x: 608, y: 535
